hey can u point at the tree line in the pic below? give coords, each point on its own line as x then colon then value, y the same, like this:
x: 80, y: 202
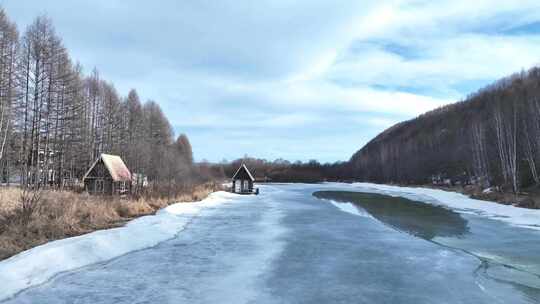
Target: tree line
x: 492, y: 138
x: 55, y: 120
x: 282, y: 171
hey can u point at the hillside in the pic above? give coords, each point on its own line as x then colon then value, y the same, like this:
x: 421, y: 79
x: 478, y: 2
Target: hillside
x: 491, y: 138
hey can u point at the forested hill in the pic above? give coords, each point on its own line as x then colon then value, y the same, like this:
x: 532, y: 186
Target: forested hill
x: 491, y: 138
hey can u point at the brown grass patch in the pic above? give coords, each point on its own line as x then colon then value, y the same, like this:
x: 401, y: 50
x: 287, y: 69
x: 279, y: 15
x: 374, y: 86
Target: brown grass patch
x: 61, y: 214
x: 9, y: 199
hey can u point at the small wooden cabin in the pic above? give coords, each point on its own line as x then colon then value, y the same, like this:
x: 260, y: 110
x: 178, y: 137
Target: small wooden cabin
x: 242, y: 182
x: 108, y: 175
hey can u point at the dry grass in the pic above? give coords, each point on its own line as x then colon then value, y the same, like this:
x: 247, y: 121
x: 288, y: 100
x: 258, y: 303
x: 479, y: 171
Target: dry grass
x: 64, y: 214
x: 9, y: 199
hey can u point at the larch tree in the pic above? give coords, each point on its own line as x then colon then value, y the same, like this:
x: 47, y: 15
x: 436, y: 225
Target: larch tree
x: 55, y: 120
x: 9, y: 43
x: 184, y: 147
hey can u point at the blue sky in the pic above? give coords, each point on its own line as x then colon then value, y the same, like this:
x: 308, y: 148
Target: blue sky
x: 299, y: 80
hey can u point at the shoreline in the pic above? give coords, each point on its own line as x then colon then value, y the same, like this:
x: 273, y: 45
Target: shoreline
x: 528, y: 198
x: 523, y: 217
x: 66, y: 214
x: 39, y: 264
x: 525, y: 200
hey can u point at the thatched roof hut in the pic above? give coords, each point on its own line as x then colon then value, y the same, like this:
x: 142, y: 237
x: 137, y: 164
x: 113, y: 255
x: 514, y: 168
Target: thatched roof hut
x: 107, y: 175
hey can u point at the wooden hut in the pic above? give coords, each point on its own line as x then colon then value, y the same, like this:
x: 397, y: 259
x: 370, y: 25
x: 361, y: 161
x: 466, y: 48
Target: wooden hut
x: 242, y: 181
x: 108, y: 175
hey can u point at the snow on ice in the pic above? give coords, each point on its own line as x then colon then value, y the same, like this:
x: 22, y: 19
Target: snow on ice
x: 527, y: 218
x: 39, y: 264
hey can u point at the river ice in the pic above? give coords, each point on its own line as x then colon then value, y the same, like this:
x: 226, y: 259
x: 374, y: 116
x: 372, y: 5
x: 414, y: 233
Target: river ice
x: 286, y: 246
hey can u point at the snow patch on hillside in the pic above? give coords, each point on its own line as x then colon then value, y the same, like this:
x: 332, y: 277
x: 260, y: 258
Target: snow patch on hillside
x: 39, y: 264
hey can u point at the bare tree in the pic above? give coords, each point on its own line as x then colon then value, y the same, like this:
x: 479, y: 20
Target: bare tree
x: 480, y: 157
x: 8, y: 83
x: 506, y: 131
x: 55, y: 121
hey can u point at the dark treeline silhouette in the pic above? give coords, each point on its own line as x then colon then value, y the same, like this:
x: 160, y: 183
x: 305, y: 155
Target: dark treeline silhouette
x: 281, y: 170
x: 55, y: 120
x: 491, y: 139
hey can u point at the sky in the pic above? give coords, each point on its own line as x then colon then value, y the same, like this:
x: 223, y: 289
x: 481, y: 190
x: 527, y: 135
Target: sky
x: 299, y: 80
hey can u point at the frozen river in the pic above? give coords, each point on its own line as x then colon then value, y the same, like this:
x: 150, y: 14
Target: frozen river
x: 288, y: 246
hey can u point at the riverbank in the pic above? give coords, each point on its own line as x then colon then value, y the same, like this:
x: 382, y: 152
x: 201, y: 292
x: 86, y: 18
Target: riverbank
x: 39, y: 264
x: 62, y: 214
x: 521, y: 217
x: 528, y: 198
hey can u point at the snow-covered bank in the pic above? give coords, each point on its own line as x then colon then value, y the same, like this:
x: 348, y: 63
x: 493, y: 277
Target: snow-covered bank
x: 37, y: 265
x: 528, y: 218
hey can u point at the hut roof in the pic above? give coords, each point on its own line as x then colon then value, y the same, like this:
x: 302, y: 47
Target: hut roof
x: 243, y: 173
x: 116, y: 167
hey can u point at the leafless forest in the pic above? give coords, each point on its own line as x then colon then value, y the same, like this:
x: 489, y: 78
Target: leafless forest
x: 490, y: 139
x: 55, y: 120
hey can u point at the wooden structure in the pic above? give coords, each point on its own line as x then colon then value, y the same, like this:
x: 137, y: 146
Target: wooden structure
x: 242, y: 182
x: 108, y: 175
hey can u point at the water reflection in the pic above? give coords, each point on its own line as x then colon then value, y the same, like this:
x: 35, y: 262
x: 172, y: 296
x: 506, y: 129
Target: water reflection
x: 422, y: 220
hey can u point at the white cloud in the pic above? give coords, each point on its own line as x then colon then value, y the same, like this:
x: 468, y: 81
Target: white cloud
x: 443, y: 63
x: 272, y: 65
x: 324, y: 96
